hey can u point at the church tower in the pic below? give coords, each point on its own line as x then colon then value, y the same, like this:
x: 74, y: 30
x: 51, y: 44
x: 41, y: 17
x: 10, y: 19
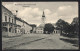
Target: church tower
x: 43, y: 18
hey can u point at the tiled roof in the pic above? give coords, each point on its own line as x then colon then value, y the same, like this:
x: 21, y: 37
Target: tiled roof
x: 21, y: 20
x: 41, y: 26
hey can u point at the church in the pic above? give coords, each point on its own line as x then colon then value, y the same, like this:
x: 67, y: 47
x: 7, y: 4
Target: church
x: 40, y: 28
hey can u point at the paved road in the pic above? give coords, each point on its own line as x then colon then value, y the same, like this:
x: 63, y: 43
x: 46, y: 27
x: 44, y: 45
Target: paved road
x: 38, y: 41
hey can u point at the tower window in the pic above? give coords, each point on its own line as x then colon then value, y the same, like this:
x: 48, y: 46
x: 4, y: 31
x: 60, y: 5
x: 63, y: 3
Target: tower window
x: 6, y: 18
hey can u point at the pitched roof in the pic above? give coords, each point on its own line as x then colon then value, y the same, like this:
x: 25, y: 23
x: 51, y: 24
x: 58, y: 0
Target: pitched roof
x: 6, y: 9
x: 22, y: 20
x: 41, y: 26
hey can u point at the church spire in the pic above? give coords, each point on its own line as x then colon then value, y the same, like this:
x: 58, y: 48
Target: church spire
x: 43, y: 18
x: 43, y: 14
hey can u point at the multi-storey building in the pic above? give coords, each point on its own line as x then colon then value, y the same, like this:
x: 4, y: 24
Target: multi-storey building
x: 25, y: 27
x: 12, y: 25
x: 8, y: 22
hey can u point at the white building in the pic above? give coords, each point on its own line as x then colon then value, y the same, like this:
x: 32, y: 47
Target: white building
x: 8, y: 22
x: 27, y: 28
x: 56, y: 31
x: 40, y: 29
x: 12, y: 25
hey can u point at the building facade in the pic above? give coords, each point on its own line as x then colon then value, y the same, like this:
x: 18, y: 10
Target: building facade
x: 40, y: 29
x: 12, y: 25
x: 56, y: 31
x: 27, y: 28
x: 8, y: 22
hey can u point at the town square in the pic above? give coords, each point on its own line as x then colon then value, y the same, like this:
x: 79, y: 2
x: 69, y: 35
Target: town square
x: 40, y: 25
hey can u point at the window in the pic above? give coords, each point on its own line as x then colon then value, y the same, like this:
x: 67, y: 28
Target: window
x: 6, y: 18
x: 41, y: 29
x: 15, y: 30
x: 9, y: 19
x: 56, y: 31
x: 15, y: 21
x: 12, y: 20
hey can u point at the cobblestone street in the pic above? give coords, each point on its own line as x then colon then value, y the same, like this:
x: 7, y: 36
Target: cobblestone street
x: 36, y: 41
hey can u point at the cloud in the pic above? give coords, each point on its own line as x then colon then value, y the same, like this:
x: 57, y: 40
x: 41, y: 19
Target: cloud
x: 65, y: 10
x: 33, y: 15
x: 47, y: 11
x: 12, y: 7
x: 66, y: 13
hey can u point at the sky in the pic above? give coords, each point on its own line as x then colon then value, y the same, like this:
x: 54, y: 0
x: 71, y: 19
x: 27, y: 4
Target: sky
x: 31, y: 12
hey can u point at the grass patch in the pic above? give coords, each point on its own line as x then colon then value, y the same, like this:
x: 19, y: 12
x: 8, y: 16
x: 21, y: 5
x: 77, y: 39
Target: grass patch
x: 74, y: 42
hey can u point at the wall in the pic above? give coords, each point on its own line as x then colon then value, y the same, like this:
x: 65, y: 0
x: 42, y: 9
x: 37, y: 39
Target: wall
x: 39, y: 30
x: 56, y: 31
x: 27, y: 28
x: 7, y: 13
x: 19, y: 23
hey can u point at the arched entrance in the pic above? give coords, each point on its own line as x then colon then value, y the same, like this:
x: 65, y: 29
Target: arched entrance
x: 10, y: 29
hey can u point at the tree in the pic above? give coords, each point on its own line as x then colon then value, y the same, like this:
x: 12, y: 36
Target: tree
x: 62, y: 25
x: 48, y: 27
x: 75, y: 24
x: 68, y: 29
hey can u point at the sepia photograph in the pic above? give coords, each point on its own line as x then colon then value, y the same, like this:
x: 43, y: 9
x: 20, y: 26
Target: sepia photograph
x: 40, y: 25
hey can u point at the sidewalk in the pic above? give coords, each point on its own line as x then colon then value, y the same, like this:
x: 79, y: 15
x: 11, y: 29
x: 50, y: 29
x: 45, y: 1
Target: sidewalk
x: 6, y: 39
x: 69, y: 38
x: 24, y: 39
x: 73, y: 41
